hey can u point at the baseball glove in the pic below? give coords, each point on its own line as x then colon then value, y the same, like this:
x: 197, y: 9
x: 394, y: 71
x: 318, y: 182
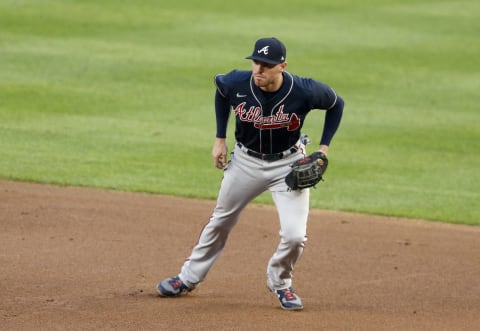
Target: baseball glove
x: 307, y: 172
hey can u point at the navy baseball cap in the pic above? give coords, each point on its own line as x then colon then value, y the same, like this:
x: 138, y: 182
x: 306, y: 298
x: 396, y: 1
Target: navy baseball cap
x: 269, y: 50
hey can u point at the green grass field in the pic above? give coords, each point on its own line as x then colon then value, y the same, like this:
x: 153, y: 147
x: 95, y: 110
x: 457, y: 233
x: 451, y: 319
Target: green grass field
x: 118, y: 94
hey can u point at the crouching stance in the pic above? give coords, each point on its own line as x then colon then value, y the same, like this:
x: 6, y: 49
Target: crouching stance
x: 270, y: 106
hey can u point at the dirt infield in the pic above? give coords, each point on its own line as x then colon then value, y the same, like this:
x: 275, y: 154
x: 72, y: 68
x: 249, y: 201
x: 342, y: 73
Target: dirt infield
x: 85, y: 259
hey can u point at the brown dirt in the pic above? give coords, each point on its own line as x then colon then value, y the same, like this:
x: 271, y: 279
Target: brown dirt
x: 83, y: 259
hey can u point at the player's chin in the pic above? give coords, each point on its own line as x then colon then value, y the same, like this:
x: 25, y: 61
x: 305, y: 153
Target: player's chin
x: 259, y: 81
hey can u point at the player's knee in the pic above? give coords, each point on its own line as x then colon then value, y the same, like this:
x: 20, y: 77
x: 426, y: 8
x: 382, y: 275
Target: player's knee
x: 295, y: 240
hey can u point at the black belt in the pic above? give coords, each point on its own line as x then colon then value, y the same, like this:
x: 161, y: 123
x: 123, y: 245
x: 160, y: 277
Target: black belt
x: 268, y: 157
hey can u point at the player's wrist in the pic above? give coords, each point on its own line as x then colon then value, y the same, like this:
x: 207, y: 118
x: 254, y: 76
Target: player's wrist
x: 323, y: 148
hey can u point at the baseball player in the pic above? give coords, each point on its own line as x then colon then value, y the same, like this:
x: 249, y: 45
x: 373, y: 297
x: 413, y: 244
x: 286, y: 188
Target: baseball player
x: 270, y: 106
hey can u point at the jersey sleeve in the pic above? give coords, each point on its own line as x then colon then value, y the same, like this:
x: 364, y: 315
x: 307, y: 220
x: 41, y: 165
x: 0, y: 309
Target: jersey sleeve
x: 322, y: 95
x: 222, y: 113
x: 333, y: 116
x: 222, y: 82
x: 222, y: 104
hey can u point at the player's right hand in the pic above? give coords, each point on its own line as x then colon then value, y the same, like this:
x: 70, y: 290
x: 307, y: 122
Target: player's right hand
x: 219, y: 153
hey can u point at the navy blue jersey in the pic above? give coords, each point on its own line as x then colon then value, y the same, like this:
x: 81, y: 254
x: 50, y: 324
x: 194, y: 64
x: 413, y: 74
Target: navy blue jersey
x: 271, y: 122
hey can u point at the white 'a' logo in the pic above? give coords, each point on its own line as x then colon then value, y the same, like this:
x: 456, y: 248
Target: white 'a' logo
x: 263, y: 50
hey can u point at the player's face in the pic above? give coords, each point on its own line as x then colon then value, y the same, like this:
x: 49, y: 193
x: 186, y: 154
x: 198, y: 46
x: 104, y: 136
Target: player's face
x: 268, y: 77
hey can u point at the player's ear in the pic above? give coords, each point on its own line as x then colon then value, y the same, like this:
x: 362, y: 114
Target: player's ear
x: 283, y: 65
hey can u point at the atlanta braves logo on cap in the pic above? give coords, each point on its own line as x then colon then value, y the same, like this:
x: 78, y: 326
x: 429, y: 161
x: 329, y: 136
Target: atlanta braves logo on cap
x: 269, y: 50
x: 264, y: 50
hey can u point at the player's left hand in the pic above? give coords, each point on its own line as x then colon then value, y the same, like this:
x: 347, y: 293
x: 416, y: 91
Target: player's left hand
x: 323, y: 149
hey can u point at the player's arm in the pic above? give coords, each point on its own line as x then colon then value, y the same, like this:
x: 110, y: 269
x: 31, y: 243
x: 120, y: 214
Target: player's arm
x: 222, y: 113
x: 324, y: 97
x: 333, y: 116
